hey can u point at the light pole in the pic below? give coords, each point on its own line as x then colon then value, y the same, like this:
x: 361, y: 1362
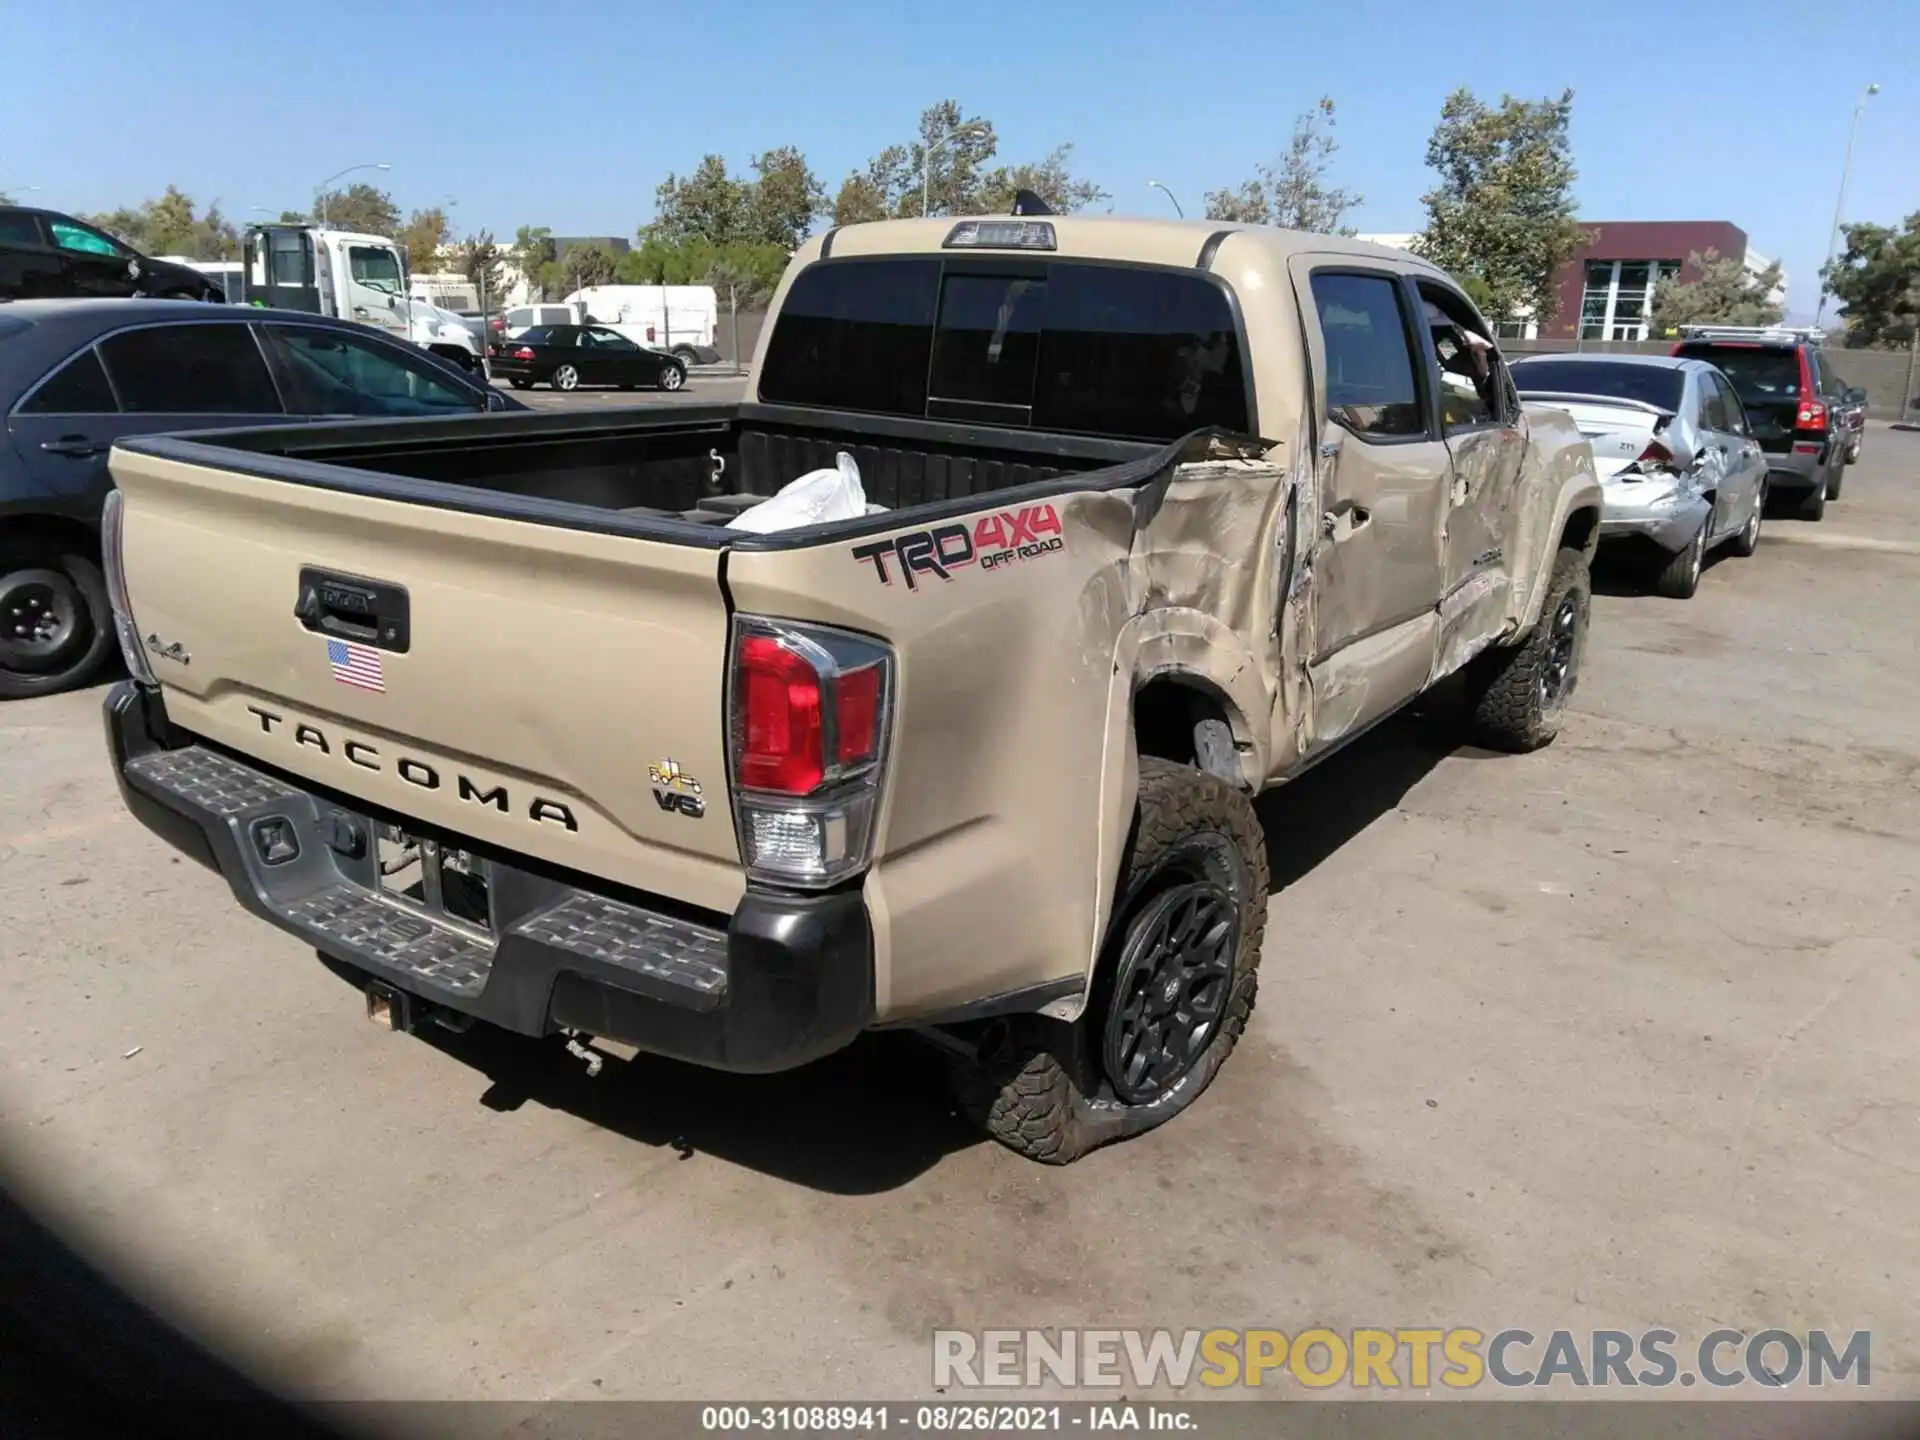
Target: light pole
x: 320, y: 190
x: 1840, y: 203
x: 926, y: 161
x: 1156, y: 185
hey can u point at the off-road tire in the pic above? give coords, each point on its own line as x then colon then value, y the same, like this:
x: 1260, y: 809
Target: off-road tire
x: 1505, y: 706
x: 1679, y: 577
x: 1039, y: 1086
x: 93, y: 640
x: 1813, y: 504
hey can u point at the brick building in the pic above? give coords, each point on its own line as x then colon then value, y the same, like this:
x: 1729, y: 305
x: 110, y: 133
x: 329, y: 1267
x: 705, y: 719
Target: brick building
x: 1606, y: 289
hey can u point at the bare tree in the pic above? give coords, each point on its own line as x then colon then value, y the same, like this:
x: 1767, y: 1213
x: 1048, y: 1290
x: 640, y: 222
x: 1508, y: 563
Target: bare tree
x: 1293, y: 193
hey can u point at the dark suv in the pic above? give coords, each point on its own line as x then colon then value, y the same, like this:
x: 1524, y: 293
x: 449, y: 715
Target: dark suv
x: 45, y: 255
x: 1794, y: 402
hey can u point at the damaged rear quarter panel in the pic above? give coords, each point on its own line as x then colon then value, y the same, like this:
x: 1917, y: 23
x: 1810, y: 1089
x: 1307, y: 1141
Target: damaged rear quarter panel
x: 1012, y: 776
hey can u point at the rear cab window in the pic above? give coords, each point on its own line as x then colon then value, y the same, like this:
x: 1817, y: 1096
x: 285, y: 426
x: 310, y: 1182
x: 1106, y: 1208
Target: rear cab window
x: 1066, y: 346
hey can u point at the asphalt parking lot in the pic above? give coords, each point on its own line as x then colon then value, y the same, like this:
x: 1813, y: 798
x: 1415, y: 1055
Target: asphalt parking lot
x: 1618, y: 1034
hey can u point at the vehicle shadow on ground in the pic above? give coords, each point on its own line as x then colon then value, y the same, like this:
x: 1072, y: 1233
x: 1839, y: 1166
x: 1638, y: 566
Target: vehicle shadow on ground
x: 1307, y: 819
x: 868, y: 1119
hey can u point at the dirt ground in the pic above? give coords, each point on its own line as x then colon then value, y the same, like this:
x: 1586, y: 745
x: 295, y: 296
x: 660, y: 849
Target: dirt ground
x: 1619, y: 1034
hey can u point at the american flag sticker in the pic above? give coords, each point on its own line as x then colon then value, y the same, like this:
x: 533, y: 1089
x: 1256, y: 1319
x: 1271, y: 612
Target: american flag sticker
x: 356, y: 665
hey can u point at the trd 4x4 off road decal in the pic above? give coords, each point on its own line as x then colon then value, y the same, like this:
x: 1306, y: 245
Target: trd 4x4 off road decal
x: 992, y: 542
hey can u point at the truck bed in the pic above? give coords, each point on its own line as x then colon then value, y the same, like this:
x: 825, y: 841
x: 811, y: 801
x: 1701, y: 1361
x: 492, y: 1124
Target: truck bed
x: 652, y: 470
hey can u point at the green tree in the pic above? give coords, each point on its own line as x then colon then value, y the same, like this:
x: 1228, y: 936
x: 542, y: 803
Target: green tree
x: 778, y: 207
x: 584, y: 264
x: 481, y: 261
x: 295, y: 217
x: 1727, y: 293
x: 754, y: 267
x: 859, y: 200
x: 1876, y: 279
x: 532, y: 255
x: 360, y: 207
x: 949, y: 160
x: 1048, y: 178
x: 170, y: 225
x: 1503, y: 207
x: 784, y: 201
x: 422, y: 236
x: 1293, y: 193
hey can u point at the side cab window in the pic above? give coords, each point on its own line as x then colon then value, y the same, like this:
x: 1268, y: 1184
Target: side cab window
x: 1475, y: 387
x: 1372, y: 362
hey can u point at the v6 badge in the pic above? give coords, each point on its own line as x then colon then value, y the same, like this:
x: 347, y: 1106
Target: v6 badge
x: 675, y: 790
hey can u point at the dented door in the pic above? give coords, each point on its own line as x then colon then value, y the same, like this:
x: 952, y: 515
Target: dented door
x: 1376, y: 559
x: 1486, y: 443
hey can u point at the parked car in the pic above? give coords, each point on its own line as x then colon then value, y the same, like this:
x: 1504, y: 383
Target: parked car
x: 1791, y: 397
x: 512, y: 324
x: 1678, y: 463
x: 569, y: 356
x: 980, y: 762
x: 47, y: 255
x: 76, y: 375
x: 1852, y: 407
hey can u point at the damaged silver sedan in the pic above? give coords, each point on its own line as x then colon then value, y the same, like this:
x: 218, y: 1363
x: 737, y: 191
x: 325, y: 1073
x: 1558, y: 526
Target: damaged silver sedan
x: 1678, y: 463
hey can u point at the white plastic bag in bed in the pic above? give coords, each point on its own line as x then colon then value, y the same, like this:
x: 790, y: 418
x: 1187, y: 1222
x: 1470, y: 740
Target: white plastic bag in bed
x: 813, y: 499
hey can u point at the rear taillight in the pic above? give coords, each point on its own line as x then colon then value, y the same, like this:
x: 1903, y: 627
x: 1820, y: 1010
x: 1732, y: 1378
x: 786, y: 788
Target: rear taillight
x: 523, y: 353
x: 113, y: 561
x: 1812, y: 414
x: 1655, y: 457
x: 808, y: 711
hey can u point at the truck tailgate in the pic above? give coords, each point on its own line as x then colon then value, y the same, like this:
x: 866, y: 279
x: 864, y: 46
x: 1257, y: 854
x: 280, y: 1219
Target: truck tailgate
x: 544, y: 669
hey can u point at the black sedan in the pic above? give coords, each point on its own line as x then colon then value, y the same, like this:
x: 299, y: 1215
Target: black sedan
x: 45, y: 255
x: 569, y: 356
x: 76, y: 375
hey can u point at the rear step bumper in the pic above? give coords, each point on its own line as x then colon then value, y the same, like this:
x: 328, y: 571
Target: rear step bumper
x: 786, y: 980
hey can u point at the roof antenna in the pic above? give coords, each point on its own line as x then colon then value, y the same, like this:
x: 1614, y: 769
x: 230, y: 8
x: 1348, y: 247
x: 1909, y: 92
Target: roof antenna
x: 1025, y: 202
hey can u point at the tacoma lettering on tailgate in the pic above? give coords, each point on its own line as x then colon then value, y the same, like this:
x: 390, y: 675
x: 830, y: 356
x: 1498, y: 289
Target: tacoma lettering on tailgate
x: 540, y: 809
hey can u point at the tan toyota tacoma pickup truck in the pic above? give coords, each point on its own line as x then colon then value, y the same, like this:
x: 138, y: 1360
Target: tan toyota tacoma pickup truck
x: 501, y: 717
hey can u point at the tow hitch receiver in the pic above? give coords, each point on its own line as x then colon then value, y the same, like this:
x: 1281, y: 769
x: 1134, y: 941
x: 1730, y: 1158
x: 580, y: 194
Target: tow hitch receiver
x: 389, y: 1008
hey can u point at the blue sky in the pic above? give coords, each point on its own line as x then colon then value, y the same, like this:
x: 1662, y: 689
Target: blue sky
x: 568, y: 114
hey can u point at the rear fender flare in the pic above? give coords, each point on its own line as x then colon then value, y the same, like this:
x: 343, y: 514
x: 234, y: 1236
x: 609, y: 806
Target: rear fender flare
x: 1186, y: 647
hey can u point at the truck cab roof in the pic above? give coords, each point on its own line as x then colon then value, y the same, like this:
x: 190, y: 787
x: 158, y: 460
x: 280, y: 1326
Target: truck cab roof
x: 1141, y: 240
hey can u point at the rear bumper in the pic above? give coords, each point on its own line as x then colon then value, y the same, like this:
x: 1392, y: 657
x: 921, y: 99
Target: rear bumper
x: 784, y: 980
x: 1798, y: 471
x: 1625, y: 514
